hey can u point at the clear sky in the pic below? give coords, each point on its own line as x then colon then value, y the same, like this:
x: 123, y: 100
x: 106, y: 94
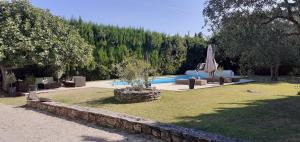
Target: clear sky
x: 168, y: 16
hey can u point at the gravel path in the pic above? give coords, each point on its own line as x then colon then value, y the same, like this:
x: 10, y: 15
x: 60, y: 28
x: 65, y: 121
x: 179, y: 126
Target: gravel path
x: 23, y: 125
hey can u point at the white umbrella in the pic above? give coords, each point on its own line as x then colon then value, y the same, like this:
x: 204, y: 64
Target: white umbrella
x: 210, y: 64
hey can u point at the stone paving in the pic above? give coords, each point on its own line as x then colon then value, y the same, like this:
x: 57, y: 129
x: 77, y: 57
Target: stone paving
x: 162, y: 86
x: 23, y: 125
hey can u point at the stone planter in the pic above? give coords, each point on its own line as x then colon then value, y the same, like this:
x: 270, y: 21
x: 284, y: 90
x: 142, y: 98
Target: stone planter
x: 132, y: 95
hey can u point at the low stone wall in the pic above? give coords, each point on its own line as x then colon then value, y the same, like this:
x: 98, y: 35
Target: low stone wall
x: 131, y: 96
x: 129, y: 123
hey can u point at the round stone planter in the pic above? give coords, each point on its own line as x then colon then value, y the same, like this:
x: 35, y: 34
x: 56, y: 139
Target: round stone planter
x: 131, y: 95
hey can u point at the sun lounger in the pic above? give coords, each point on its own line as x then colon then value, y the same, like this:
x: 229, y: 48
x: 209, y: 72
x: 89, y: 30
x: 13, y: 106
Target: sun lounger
x: 77, y: 81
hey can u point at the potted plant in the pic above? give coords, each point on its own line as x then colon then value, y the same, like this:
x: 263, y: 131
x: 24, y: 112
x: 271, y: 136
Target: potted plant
x: 221, y: 80
x: 192, y: 82
x: 30, y: 80
x: 220, y: 73
x: 12, y: 90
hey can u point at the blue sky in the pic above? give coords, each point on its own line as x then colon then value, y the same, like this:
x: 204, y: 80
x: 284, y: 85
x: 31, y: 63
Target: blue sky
x: 168, y: 16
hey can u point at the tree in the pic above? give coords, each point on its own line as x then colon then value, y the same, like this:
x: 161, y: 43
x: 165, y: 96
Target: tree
x: 30, y: 35
x: 165, y: 53
x: 257, y: 46
x: 257, y: 33
x: 173, y: 53
x: 265, y: 10
x: 196, y: 52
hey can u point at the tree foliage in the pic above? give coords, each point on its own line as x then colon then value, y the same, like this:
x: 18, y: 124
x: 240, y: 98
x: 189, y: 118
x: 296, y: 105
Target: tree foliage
x: 267, y: 11
x: 32, y: 36
x: 256, y: 34
x: 167, y: 54
x: 29, y: 35
x: 134, y: 71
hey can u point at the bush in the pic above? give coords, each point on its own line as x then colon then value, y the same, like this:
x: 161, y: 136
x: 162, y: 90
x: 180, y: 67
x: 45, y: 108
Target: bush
x: 11, y: 78
x: 295, y: 72
x: 135, y: 72
x: 30, y: 80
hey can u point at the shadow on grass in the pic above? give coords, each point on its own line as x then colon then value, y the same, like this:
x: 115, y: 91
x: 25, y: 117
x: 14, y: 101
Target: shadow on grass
x: 261, y: 121
x: 101, y: 102
x: 267, y: 79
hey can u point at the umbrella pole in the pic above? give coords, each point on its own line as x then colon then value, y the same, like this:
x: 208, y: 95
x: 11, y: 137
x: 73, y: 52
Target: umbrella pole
x: 210, y: 75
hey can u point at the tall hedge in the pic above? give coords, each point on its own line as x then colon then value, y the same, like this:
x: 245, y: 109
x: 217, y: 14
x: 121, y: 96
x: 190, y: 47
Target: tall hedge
x: 168, y: 54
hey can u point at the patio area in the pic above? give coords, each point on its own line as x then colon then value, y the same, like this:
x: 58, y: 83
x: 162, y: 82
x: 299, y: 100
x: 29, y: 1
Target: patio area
x: 163, y: 86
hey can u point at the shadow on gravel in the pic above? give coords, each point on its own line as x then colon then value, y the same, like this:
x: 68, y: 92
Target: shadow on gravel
x: 107, y: 129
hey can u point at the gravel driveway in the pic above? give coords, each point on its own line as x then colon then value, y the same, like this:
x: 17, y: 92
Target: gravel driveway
x: 23, y: 125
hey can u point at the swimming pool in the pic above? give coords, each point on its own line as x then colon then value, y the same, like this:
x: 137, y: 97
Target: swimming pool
x: 161, y: 80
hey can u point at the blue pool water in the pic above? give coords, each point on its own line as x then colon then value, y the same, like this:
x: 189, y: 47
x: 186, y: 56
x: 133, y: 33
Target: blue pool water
x: 161, y: 79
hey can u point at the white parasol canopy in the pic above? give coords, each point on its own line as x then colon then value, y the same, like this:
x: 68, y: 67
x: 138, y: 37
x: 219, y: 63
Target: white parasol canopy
x: 210, y: 64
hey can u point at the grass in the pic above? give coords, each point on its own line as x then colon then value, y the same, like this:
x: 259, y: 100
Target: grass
x: 269, y: 112
x: 16, y: 101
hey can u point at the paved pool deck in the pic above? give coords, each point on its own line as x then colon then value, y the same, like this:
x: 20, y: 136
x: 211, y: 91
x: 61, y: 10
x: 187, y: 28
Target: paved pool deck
x: 162, y: 86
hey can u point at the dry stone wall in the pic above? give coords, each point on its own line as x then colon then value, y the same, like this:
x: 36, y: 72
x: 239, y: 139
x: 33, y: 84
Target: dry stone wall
x: 169, y: 133
x: 128, y: 96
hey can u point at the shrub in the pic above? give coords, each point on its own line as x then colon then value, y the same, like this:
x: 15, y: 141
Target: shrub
x: 30, y: 80
x: 11, y: 78
x: 135, y: 72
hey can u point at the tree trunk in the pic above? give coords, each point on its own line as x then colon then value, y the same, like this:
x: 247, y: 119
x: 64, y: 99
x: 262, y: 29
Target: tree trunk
x: 146, y: 56
x: 276, y: 70
x: 3, y: 81
x: 272, y: 72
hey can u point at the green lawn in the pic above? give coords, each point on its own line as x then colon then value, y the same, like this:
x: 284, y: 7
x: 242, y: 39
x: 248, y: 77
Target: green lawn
x: 18, y: 101
x: 271, y: 113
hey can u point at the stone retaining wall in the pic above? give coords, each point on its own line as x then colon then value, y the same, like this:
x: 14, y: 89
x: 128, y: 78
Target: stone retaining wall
x: 128, y: 96
x: 129, y: 123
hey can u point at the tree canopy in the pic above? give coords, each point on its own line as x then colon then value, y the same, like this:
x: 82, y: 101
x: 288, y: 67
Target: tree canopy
x: 167, y: 54
x: 29, y: 35
x: 266, y: 10
x: 256, y: 34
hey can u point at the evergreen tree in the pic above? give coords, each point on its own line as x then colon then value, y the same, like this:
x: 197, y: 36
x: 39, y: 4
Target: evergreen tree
x: 167, y: 54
